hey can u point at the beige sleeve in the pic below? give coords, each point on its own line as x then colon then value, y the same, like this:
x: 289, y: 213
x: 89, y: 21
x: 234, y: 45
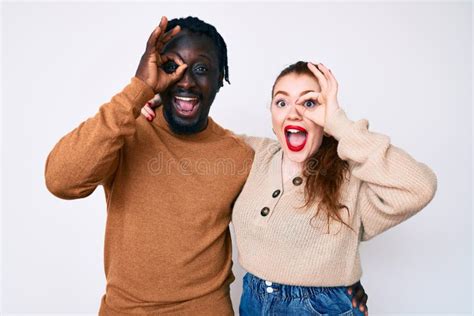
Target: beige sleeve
x: 394, y: 186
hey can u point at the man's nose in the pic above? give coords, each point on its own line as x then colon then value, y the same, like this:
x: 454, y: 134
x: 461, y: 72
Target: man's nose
x: 187, y: 80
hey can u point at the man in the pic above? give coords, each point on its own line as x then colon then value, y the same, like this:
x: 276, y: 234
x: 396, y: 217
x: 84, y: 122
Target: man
x: 169, y: 184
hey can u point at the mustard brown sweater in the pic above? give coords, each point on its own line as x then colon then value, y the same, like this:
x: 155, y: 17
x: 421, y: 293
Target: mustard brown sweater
x: 169, y: 199
x: 275, y: 238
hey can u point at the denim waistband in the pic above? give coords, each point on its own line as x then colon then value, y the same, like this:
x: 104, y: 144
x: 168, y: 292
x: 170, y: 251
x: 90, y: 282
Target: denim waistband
x: 262, y: 287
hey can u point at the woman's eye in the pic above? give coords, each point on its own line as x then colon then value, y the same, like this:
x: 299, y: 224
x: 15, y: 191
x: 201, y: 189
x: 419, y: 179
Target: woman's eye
x: 309, y: 104
x: 280, y: 103
x: 170, y: 67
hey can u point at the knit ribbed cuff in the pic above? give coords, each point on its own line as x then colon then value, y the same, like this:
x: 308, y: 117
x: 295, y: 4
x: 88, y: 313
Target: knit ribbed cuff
x: 337, y: 123
x: 140, y: 93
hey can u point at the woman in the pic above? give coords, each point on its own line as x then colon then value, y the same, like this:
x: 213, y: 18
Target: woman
x: 313, y: 195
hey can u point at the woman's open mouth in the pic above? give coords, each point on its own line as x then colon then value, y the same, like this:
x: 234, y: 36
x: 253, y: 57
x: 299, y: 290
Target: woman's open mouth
x: 295, y: 137
x: 186, y: 106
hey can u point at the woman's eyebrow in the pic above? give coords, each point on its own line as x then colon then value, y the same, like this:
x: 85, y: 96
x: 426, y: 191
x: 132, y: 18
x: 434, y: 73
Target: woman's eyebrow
x: 306, y: 91
x: 281, y: 92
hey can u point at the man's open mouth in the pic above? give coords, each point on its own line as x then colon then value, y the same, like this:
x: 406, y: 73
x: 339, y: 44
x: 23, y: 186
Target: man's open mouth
x: 295, y: 137
x: 186, y: 106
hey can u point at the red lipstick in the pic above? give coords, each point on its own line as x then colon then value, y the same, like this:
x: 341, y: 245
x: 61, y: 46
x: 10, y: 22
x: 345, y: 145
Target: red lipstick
x: 298, y: 132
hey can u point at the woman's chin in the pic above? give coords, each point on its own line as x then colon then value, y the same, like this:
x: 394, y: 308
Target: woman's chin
x: 296, y: 156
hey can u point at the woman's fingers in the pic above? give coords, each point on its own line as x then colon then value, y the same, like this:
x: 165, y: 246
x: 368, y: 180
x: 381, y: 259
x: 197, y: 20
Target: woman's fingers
x: 149, y: 110
x: 332, y: 82
x: 323, y: 82
x: 312, y: 95
x: 145, y: 113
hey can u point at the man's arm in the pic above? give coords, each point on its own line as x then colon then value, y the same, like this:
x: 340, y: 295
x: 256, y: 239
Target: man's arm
x: 90, y: 154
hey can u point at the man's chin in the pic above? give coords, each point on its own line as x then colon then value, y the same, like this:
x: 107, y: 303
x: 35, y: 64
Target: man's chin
x: 180, y: 124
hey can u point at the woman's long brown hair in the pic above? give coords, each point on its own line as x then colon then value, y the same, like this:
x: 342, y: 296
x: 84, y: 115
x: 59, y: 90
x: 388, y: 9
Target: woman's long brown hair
x: 324, y: 171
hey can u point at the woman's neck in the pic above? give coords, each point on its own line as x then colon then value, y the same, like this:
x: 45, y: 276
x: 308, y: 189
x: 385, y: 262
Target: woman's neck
x: 290, y: 168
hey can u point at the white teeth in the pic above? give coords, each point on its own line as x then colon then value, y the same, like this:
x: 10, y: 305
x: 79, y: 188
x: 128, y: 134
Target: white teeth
x: 294, y: 131
x: 186, y: 99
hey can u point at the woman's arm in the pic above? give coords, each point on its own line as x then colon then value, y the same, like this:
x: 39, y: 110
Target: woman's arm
x: 394, y: 186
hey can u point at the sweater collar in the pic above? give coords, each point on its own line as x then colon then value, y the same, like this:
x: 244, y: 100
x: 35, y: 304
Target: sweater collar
x: 276, y: 173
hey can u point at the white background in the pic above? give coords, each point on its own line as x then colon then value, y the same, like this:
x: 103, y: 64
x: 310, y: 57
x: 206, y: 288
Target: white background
x: 405, y: 67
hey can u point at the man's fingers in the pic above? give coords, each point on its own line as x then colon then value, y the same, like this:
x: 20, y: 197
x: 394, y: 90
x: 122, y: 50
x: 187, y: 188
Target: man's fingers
x: 363, y: 304
x: 179, y: 72
x: 359, y: 294
x: 158, y: 43
x: 173, y: 57
x: 163, y: 23
x: 155, y: 102
x: 153, y: 39
x: 170, y: 34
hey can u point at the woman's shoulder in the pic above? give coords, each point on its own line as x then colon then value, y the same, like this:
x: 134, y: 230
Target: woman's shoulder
x: 261, y: 145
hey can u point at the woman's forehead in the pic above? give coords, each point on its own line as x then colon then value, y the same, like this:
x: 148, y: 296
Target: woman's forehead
x: 293, y: 84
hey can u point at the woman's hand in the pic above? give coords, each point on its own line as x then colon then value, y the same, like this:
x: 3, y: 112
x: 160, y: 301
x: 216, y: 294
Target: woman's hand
x: 148, y: 110
x: 326, y: 100
x: 150, y: 68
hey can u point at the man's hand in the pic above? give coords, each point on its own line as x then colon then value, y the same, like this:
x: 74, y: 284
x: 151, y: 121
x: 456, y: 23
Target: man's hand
x: 359, y: 298
x: 150, y: 68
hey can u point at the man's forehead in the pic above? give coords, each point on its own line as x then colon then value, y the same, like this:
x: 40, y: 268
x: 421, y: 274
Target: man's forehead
x: 187, y: 43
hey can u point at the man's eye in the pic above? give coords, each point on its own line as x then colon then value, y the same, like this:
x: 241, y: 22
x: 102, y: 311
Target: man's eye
x: 201, y: 69
x: 281, y: 103
x: 170, y: 67
x: 309, y: 104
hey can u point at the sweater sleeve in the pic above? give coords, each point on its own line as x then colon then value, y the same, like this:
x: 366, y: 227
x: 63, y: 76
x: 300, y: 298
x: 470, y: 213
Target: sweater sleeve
x: 89, y: 155
x: 394, y: 186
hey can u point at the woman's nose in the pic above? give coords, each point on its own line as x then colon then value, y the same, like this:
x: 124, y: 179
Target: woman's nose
x: 294, y: 113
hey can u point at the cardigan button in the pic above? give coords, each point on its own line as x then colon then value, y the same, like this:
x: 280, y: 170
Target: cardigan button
x: 265, y: 211
x: 276, y: 193
x: 297, y: 181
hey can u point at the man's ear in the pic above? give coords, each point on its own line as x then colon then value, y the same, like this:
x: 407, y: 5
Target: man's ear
x: 220, y: 82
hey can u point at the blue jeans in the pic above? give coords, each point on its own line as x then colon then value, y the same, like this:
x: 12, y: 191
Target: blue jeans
x: 260, y: 297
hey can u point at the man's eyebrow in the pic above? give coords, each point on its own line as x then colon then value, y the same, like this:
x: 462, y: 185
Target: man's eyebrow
x: 205, y: 56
